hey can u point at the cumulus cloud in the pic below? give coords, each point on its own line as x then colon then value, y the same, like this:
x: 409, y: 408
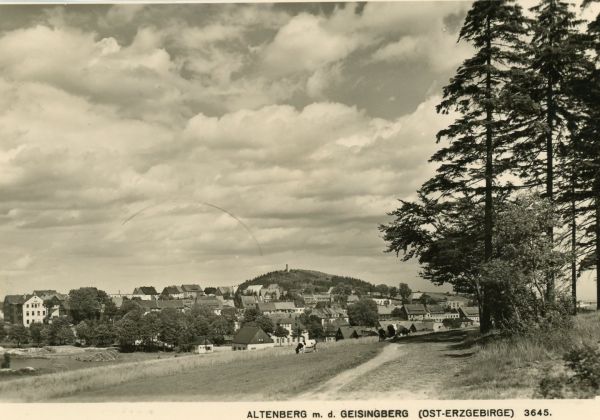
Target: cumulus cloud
x: 118, y: 149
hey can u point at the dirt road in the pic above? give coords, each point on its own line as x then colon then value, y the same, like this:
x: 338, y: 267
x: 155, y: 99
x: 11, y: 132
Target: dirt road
x: 329, y: 389
x: 416, y: 368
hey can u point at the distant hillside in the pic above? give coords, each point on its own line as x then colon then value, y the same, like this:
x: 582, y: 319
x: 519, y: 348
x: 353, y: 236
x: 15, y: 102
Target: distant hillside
x: 307, y: 281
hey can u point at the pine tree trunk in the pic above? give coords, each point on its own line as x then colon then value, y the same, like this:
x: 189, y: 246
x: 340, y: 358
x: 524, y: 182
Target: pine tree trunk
x: 550, y: 115
x: 597, y: 205
x: 573, y: 249
x: 485, y: 323
x: 550, y: 176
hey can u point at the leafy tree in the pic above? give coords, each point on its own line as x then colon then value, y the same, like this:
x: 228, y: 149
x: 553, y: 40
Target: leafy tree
x: 88, y: 303
x: 35, y: 331
x: 171, y: 326
x: 149, y: 330
x: 281, y: 332
x: 19, y: 334
x: 265, y: 323
x: 85, y: 332
x: 556, y: 58
x: 210, y: 290
x: 313, y: 325
x: 128, y: 333
x: 404, y: 291
x: 127, y: 306
x: 363, y: 312
x: 104, y: 335
x: 220, y: 327
x: 109, y: 309
x: 382, y: 289
x: 251, y: 314
x: 230, y: 314
x: 397, y: 313
x: 394, y: 291
x: 524, y: 261
x: 61, y: 331
x: 391, y: 331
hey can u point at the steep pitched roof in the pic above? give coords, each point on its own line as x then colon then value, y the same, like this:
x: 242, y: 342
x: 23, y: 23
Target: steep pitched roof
x: 435, y: 309
x: 332, y: 326
x: 470, y: 311
x: 415, y: 309
x: 248, y: 301
x: 202, y: 341
x: 209, y: 301
x: 251, y: 334
x: 265, y: 306
x: 44, y: 292
x: 437, y: 296
x: 15, y: 299
x: 347, y: 332
x: 458, y: 298
x: 191, y: 288
x: 329, y: 313
x: 172, y: 290
x: 160, y: 304
x: 284, y: 306
x: 145, y: 290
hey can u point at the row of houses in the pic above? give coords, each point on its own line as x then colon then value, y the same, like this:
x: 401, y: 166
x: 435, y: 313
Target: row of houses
x: 39, y: 306
x: 185, y: 291
x: 42, y: 306
x: 421, y: 312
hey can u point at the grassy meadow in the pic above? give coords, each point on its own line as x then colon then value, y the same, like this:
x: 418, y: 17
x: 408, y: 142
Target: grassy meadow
x: 274, y: 373
x: 512, y: 367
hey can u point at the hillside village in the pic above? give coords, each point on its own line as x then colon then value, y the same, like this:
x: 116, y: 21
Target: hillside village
x: 281, y: 308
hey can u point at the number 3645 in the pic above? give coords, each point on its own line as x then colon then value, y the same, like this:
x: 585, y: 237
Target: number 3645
x: 537, y: 412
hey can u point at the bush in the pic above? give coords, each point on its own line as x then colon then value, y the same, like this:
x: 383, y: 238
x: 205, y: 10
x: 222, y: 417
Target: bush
x: 6, y: 361
x: 583, y: 380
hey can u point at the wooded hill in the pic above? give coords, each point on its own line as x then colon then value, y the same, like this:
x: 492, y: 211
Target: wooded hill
x: 308, y: 281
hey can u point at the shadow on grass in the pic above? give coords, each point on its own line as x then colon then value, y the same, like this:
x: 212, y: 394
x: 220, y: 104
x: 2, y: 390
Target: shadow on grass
x: 455, y: 340
x: 450, y: 337
x: 459, y: 355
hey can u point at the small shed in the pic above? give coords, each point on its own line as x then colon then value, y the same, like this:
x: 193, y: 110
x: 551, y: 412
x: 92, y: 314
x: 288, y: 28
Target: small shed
x: 203, y: 345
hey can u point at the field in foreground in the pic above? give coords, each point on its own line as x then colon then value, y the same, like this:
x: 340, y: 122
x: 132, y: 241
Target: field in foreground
x: 270, y: 374
x: 456, y: 364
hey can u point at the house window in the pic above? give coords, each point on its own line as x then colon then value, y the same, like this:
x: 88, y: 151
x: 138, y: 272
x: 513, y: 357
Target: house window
x: 27, y: 306
x: 28, y: 321
x: 27, y: 313
x: 38, y: 313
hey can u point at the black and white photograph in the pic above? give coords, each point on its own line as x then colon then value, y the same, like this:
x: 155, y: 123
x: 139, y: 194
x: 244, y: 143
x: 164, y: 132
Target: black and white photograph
x: 280, y: 202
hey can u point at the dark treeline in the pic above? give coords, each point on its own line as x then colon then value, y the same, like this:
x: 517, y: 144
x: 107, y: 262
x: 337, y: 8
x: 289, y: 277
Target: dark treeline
x: 513, y: 213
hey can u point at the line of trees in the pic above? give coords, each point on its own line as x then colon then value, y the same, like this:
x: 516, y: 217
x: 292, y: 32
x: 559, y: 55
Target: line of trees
x: 130, y: 329
x: 519, y: 163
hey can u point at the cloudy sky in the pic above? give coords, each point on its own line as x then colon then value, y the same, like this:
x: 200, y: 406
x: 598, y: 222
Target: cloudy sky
x: 124, y: 129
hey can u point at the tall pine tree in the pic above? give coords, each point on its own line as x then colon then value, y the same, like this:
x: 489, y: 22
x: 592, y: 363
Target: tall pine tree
x: 589, y: 159
x: 480, y: 137
x: 556, y: 56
